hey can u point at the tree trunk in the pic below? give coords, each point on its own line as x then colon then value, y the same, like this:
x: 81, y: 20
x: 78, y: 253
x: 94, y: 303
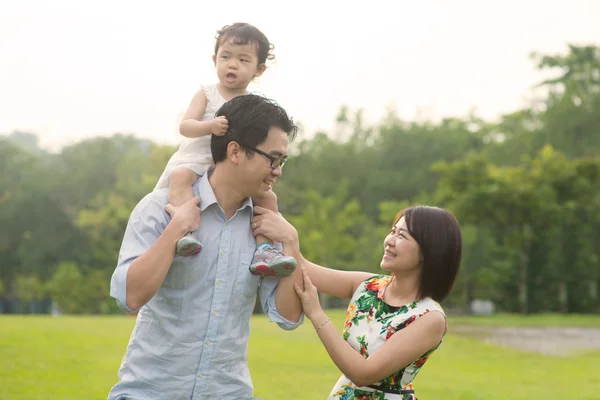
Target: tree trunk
x: 468, y: 293
x: 524, y: 270
x: 563, y: 296
x: 594, y: 295
x: 523, y: 293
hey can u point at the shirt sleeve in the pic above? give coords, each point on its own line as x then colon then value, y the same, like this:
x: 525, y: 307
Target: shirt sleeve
x: 146, y: 223
x: 266, y: 292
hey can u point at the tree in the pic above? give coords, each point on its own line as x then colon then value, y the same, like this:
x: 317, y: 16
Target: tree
x: 66, y: 289
x: 535, y: 212
x: 330, y: 230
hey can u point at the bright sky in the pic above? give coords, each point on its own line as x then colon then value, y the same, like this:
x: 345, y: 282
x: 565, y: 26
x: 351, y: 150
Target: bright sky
x: 71, y: 69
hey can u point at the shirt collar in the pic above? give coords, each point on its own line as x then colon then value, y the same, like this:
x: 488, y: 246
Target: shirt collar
x: 207, y: 194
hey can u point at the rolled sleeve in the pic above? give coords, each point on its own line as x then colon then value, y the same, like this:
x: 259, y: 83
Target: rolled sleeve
x: 118, y: 287
x: 145, y: 225
x: 267, y: 299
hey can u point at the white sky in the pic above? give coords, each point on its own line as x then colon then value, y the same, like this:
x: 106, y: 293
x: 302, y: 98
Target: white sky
x: 74, y: 69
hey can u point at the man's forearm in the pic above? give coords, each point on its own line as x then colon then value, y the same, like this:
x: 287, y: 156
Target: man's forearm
x: 147, y: 272
x: 287, y: 301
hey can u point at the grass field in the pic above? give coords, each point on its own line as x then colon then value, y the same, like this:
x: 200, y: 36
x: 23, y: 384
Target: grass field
x: 538, y: 320
x: 70, y: 358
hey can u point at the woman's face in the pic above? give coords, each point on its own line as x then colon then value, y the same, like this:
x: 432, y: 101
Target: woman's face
x: 401, y: 252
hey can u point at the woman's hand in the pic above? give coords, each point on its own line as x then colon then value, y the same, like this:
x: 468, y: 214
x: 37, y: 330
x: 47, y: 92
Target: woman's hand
x: 309, y: 297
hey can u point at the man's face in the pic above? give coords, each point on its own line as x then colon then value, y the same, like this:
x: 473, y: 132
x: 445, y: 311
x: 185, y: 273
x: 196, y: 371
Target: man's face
x: 257, y: 176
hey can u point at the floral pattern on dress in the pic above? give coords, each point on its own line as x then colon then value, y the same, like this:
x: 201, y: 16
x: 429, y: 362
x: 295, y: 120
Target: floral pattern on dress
x: 370, y: 322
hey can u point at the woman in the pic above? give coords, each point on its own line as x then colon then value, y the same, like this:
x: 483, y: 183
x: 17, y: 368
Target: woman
x: 394, y: 322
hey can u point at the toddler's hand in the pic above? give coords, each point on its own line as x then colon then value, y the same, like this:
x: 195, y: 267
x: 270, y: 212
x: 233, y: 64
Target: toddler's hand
x: 219, y: 126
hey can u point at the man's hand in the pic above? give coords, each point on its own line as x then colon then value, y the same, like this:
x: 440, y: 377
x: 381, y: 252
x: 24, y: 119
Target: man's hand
x: 185, y: 218
x: 274, y: 226
x: 219, y: 126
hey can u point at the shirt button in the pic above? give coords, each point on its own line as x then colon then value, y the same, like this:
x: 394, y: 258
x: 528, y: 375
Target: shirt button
x: 214, y: 312
x: 207, y: 341
x: 222, y: 253
x: 200, y: 376
x: 219, y: 283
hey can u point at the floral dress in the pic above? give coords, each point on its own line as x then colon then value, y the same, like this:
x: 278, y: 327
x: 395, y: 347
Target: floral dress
x: 370, y: 322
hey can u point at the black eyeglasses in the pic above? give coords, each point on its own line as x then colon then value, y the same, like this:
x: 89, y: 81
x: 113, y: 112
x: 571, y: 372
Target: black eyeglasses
x: 275, y: 161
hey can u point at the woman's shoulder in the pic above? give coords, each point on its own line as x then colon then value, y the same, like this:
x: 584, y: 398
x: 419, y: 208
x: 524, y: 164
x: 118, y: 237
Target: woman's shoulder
x: 409, y: 313
x: 376, y: 282
x: 428, y: 304
x: 371, y: 286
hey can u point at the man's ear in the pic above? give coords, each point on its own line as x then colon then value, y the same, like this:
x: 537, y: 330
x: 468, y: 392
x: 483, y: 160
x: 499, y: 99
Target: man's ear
x: 234, y: 151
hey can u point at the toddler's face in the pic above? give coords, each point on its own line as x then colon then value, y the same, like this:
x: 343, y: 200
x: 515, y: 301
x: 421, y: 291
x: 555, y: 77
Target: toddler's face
x: 237, y: 64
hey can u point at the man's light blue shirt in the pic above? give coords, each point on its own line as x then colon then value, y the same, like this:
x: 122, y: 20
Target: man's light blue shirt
x: 190, y: 341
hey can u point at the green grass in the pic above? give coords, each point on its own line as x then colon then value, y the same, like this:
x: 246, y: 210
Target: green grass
x: 537, y: 320
x: 77, y: 358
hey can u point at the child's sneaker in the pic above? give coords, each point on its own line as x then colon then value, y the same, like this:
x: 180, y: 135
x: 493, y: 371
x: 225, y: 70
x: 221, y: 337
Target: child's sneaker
x: 268, y: 261
x: 188, y: 245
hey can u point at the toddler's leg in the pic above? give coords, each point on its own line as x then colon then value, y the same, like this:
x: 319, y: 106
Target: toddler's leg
x: 268, y: 260
x: 180, y: 191
x: 181, y: 181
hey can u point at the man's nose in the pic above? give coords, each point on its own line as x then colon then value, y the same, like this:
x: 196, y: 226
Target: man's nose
x: 277, y: 171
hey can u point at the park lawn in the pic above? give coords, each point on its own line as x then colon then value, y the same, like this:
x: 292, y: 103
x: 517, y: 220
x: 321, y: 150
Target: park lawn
x: 66, y: 358
x: 537, y: 320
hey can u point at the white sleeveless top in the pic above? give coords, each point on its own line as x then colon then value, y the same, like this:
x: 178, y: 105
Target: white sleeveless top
x: 194, y: 153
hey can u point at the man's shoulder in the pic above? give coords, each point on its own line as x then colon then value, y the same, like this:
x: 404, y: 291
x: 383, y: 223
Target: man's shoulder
x: 153, y: 201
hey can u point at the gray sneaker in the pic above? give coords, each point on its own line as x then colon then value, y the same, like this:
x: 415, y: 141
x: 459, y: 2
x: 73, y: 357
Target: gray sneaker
x: 268, y: 261
x: 188, y: 245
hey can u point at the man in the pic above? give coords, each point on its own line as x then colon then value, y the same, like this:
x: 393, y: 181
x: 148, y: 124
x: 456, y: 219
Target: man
x: 190, y: 339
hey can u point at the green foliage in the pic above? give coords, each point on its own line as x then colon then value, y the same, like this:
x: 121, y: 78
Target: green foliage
x: 526, y: 190
x: 29, y: 288
x: 66, y: 288
x: 76, y: 293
